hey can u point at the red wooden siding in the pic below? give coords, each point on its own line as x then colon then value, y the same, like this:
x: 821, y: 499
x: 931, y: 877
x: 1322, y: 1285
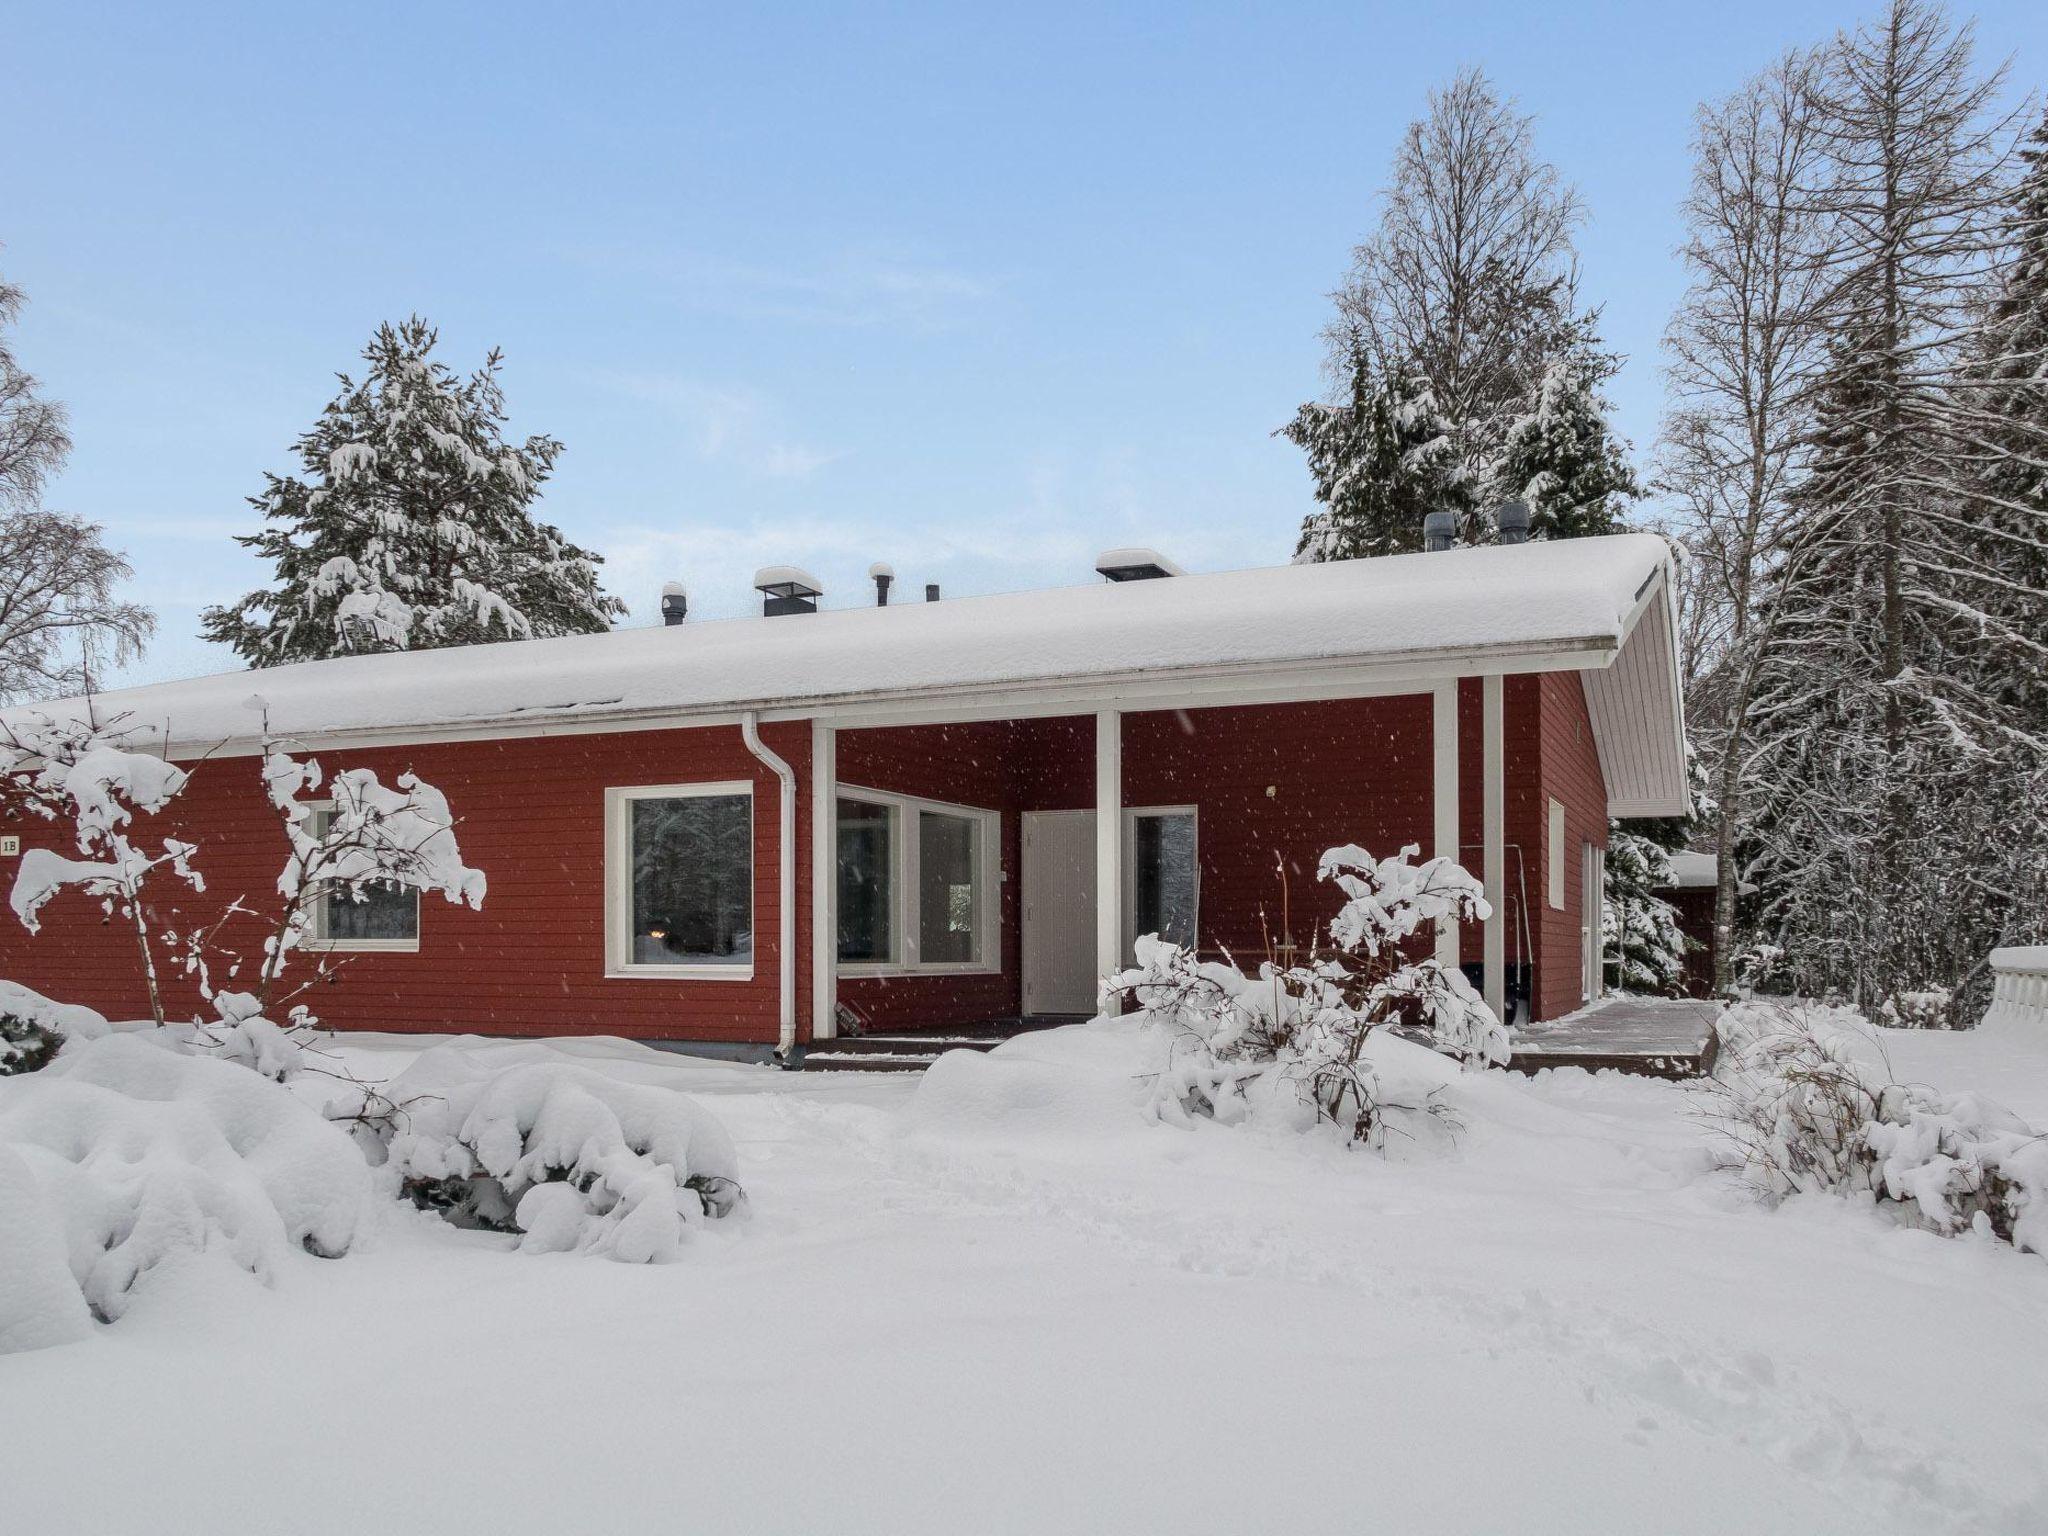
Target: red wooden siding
x: 530, y: 963
x: 1273, y: 785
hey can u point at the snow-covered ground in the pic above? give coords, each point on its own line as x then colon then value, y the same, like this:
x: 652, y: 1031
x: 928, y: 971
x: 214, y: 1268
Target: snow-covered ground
x: 998, y: 1302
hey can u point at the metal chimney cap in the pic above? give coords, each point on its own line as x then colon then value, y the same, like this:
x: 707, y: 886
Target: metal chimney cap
x: 787, y: 581
x: 1439, y: 531
x: 1513, y: 518
x: 1135, y: 564
x: 674, y: 589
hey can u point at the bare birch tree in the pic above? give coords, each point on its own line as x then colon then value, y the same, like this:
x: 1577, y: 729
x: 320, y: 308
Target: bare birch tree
x: 1742, y: 351
x: 57, y: 577
x: 1469, y: 282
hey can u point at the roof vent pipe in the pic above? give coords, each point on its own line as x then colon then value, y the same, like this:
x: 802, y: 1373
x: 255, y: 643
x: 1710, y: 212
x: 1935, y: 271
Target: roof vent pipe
x: 787, y: 589
x: 884, y: 578
x: 1439, y: 531
x: 675, y: 603
x: 1514, y: 522
x: 931, y: 591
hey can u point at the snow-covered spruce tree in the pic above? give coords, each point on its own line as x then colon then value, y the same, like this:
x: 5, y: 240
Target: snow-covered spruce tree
x: 1381, y: 465
x: 1639, y: 929
x: 410, y: 524
x: 1562, y: 459
x: 1644, y: 947
x: 2004, y: 393
x: 1881, y: 715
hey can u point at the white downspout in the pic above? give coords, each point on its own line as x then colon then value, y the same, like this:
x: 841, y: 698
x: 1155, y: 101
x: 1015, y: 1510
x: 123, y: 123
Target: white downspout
x: 785, y: 949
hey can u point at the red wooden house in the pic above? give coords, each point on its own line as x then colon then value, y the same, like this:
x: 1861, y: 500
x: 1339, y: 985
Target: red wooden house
x: 760, y: 832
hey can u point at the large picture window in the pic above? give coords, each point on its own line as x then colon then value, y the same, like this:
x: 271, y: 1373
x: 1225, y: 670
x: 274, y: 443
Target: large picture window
x: 680, y: 875
x: 918, y: 883
x: 376, y: 915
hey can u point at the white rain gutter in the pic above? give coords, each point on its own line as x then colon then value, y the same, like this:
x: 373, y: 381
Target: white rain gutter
x: 785, y: 949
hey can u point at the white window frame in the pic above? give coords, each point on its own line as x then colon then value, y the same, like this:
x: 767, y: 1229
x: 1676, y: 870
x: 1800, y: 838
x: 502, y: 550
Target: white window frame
x: 619, y: 800
x: 905, y: 888
x: 317, y: 914
x: 1556, y: 851
x: 1130, y: 867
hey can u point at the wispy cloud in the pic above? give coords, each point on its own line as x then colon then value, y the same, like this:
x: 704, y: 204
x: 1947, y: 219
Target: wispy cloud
x: 854, y: 288
x: 727, y: 424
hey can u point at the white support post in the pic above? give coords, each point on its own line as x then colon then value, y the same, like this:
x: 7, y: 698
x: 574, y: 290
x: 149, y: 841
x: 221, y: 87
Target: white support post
x: 1493, y: 786
x: 824, y: 881
x: 1444, y: 737
x: 1109, y: 816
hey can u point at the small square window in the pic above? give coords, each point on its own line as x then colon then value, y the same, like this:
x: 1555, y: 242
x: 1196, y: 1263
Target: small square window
x: 377, y: 914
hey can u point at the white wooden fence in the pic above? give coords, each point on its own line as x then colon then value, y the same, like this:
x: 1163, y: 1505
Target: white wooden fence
x: 2019, y: 991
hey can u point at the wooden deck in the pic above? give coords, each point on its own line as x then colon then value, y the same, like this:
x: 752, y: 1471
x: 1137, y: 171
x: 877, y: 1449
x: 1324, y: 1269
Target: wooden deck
x: 1649, y: 1036
x: 1646, y: 1036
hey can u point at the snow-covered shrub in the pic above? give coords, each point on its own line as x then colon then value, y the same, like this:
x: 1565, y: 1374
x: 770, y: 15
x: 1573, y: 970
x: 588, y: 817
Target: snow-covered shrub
x: 33, y: 1029
x: 1933, y: 1008
x: 141, y: 1156
x: 1306, y: 1023
x: 68, y: 770
x: 244, y: 1036
x: 567, y: 1157
x: 1807, y: 1118
x: 69, y: 1021
x: 401, y: 835
x: 25, y: 1044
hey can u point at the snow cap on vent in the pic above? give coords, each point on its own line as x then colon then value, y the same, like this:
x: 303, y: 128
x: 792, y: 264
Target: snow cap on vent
x: 1135, y: 565
x: 787, y: 589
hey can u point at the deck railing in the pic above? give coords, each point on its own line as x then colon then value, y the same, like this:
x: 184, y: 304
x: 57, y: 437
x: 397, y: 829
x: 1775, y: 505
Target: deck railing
x: 2019, y: 986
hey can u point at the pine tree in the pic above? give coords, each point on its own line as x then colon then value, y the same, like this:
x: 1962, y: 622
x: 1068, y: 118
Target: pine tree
x: 1639, y: 929
x: 410, y: 524
x: 1562, y: 459
x: 1381, y: 465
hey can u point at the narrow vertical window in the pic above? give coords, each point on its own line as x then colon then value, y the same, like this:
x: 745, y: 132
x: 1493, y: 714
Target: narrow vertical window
x: 949, y: 888
x: 1554, y: 856
x: 1164, y: 875
x: 867, y: 882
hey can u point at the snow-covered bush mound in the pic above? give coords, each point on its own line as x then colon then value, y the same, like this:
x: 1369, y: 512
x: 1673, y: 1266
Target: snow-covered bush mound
x: 137, y: 1156
x: 569, y: 1158
x: 33, y: 1029
x: 1807, y: 1117
x: 1073, y: 1088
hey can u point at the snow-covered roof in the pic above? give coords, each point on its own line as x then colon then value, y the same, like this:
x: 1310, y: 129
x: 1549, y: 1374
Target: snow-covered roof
x: 1698, y: 871
x: 1530, y: 607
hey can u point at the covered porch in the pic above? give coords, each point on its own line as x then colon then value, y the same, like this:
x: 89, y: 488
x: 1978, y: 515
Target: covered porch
x: 978, y: 872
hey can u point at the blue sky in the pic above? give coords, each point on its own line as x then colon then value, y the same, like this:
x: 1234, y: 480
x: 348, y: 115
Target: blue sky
x: 975, y: 292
